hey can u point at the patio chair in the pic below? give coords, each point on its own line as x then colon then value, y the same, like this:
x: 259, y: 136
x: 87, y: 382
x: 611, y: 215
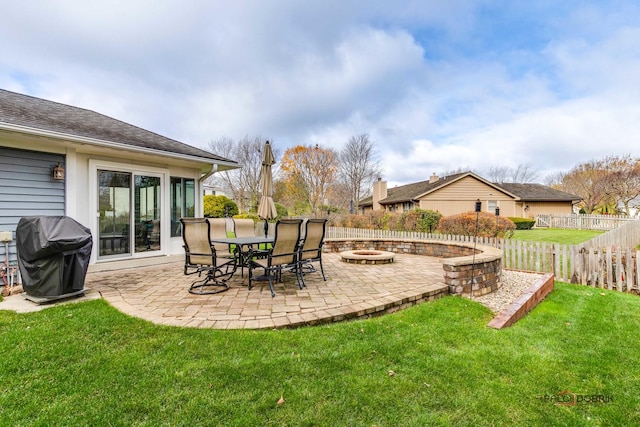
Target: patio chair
x: 266, y: 228
x: 311, y: 247
x: 202, y: 257
x: 219, y: 230
x: 243, y: 227
x: 282, y: 255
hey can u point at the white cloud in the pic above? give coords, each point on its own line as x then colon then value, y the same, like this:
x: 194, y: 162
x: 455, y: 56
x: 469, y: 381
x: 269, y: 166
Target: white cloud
x: 423, y: 79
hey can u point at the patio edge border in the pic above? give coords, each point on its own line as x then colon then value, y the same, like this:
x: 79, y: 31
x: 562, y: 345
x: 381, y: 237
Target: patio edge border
x: 525, y: 303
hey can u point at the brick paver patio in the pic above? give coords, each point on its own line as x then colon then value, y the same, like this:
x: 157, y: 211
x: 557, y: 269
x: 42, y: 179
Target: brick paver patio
x: 160, y: 294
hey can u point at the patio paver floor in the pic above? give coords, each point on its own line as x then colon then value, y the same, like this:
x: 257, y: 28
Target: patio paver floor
x: 160, y: 294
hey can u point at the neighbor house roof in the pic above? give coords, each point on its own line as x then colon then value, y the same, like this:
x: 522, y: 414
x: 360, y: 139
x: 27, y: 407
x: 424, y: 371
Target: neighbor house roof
x: 23, y: 111
x: 525, y: 192
x: 537, y: 192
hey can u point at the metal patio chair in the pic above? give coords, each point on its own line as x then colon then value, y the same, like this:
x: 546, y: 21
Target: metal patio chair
x: 243, y: 227
x: 218, y: 229
x: 311, y: 247
x: 282, y: 255
x: 201, y: 256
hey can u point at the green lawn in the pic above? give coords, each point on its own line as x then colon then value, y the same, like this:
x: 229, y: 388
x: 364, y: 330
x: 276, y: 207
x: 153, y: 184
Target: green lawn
x: 433, y: 364
x: 556, y: 235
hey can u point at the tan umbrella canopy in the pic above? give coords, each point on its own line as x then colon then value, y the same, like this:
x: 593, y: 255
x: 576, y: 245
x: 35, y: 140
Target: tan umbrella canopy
x: 266, y: 208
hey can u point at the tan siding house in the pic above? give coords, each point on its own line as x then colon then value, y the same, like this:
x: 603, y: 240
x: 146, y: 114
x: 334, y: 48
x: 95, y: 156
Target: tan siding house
x: 458, y: 193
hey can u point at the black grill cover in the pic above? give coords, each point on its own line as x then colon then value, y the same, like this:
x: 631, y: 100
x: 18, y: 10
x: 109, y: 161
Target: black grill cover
x: 53, y: 255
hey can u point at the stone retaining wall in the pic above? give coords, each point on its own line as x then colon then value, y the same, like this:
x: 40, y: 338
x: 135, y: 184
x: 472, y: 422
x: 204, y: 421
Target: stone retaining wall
x: 464, y: 270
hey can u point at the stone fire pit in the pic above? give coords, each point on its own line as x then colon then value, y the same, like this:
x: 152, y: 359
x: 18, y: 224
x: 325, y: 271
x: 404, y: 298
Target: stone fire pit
x: 367, y: 256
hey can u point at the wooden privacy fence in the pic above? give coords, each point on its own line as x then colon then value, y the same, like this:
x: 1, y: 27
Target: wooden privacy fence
x: 626, y: 236
x: 582, y: 222
x: 611, y: 267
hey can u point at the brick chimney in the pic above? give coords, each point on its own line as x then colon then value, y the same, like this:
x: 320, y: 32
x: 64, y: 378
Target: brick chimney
x: 379, y: 193
x: 433, y: 178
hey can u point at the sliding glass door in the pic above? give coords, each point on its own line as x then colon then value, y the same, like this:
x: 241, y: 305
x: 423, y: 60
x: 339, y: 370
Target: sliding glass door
x: 146, y: 196
x: 129, y: 208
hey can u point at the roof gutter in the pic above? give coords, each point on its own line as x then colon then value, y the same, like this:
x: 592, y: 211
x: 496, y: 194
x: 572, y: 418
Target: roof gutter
x: 226, y: 164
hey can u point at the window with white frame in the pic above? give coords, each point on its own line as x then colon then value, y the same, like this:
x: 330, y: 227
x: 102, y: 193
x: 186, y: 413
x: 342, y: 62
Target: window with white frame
x: 183, y: 200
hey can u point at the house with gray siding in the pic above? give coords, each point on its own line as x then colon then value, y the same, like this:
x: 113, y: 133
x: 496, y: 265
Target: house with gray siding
x: 128, y: 185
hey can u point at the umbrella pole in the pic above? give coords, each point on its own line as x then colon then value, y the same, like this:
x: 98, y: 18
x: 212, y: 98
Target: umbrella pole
x: 266, y: 227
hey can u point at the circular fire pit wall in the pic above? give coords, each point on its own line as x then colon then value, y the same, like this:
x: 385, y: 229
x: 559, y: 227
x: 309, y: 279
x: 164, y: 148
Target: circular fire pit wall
x: 363, y: 256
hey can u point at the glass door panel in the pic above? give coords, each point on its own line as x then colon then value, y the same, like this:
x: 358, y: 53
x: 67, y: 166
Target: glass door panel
x: 114, y: 207
x: 146, y: 201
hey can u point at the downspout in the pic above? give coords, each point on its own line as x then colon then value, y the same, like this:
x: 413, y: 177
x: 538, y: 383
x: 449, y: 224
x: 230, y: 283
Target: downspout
x: 214, y: 169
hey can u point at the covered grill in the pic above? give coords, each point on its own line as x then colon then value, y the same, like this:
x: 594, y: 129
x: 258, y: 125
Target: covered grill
x: 53, y: 256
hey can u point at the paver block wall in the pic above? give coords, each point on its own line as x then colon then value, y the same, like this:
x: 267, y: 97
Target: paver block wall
x: 527, y: 301
x: 466, y: 269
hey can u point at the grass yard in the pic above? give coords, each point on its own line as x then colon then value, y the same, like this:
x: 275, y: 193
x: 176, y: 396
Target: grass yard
x: 433, y: 364
x: 556, y: 235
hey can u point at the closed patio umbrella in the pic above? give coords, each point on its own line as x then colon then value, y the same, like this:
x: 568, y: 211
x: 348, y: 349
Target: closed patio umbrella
x: 266, y: 207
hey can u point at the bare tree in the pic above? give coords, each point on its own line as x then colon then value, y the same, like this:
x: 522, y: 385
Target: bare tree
x: 622, y: 183
x: 587, y: 180
x: 605, y: 185
x: 554, y: 180
x: 523, y: 173
x: 359, y: 167
x: 243, y: 183
x: 499, y: 173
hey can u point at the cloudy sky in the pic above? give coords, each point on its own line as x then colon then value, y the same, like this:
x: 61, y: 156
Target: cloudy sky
x: 438, y: 85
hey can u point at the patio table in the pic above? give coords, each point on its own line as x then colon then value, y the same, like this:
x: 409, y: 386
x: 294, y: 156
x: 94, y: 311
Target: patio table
x: 243, y: 242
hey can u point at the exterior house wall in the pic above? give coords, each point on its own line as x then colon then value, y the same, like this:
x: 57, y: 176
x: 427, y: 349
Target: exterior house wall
x: 27, y: 188
x: 90, y: 164
x: 80, y: 184
x: 461, y: 196
x: 452, y: 207
x: 547, y: 208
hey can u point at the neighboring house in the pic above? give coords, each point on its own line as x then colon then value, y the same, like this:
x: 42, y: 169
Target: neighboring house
x: 129, y: 186
x: 210, y: 190
x: 458, y: 193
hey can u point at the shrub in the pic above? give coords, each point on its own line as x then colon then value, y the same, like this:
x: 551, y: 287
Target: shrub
x: 351, y: 221
x: 523, y: 223
x: 418, y: 220
x: 428, y: 220
x: 282, y: 210
x: 413, y: 220
x: 379, y: 220
x: 488, y: 225
x: 251, y: 215
x: 394, y: 221
x: 219, y: 206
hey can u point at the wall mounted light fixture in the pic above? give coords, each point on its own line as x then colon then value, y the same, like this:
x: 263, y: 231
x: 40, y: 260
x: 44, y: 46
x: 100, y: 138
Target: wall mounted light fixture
x: 58, y: 172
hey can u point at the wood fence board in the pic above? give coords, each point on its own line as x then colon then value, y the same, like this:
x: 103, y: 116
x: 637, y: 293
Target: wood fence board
x: 612, y: 267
